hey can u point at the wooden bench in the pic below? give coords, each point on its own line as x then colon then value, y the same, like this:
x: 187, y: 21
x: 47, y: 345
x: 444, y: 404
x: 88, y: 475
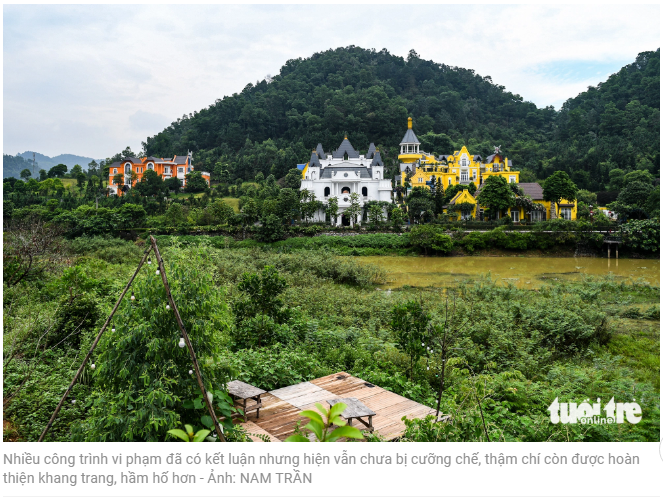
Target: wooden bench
x: 355, y: 410
x: 242, y: 392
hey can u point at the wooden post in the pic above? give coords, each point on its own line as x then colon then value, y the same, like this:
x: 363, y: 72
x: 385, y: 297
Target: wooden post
x: 94, y: 345
x: 617, y: 251
x: 196, y: 367
x: 608, y: 251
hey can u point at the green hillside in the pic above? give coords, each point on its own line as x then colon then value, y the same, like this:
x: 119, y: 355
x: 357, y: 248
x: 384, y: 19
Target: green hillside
x: 272, y: 125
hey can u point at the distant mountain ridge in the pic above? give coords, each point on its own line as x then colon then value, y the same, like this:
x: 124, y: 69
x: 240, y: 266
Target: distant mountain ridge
x: 69, y: 160
x: 13, y: 165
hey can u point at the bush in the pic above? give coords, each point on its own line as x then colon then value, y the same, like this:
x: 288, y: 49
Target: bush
x: 644, y: 234
x: 74, y: 318
x: 271, y: 229
x: 106, y: 248
x: 142, y: 376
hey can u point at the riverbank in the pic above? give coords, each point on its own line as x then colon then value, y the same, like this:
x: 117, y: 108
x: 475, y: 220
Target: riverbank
x: 496, y: 243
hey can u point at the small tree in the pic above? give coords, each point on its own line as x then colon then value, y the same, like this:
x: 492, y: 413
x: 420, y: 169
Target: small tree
x: 397, y: 217
x: 142, y: 374
x: 57, y: 171
x: 410, y: 325
x: 309, y: 205
x: 172, y: 183
x: 439, y: 197
x: 557, y: 187
x: 332, y: 209
x: 354, y: 210
x: 293, y: 179
x: 496, y: 195
x: 419, y: 201
x: 30, y: 247
x: 25, y: 174
x: 118, y: 179
x: 271, y: 229
x: 259, y: 308
x: 375, y: 213
x: 80, y: 180
x: 220, y: 212
x: 195, y: 182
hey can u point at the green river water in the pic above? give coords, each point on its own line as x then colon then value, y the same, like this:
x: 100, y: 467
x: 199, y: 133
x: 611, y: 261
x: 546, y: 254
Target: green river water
x: 523, y: 272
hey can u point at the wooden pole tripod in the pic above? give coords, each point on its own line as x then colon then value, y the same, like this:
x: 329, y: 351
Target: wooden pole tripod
x: 196, y: 366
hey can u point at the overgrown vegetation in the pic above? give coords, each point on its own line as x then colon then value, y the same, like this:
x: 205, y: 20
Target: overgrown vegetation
x: 319, y: 314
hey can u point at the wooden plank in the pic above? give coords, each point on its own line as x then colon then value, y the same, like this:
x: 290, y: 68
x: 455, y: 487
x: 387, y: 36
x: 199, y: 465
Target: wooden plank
x: 382, y: 401
x: 403, y: 406
x: 328, y: 379
x: 254, y: 429
x: 282, y: 408
x: 311, y: 398
x: 297, y: 390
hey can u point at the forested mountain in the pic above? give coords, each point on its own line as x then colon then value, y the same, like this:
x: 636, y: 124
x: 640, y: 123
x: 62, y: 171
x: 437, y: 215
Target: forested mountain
x: 272, y: 125
x: 13, y: 165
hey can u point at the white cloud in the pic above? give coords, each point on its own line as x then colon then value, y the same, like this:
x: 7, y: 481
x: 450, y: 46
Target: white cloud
x: 91, y: 80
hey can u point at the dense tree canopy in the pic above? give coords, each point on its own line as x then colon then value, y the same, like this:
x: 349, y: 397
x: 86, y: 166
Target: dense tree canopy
x: 272, y: 125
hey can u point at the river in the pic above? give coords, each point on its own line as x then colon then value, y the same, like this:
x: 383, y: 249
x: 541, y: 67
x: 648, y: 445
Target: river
x: 523, y: 272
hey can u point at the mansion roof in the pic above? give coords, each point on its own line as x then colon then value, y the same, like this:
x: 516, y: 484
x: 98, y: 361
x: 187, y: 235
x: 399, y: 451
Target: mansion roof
x: 349, y: 169
x: 346, y: 147
x: 410, y: 138
x: 533, y: 190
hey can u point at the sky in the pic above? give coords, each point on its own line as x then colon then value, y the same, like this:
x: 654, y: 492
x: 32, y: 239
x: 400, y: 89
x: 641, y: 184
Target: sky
x: 92, y: 79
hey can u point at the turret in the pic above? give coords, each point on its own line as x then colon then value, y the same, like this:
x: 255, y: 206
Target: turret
x: 410, y: 143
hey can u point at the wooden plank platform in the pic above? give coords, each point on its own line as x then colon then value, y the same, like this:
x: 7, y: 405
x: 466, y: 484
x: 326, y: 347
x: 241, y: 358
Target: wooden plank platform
x: 280, y: 412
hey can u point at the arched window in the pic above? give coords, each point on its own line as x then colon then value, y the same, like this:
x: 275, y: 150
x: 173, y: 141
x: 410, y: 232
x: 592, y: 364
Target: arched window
x: 364, y: 191
x: 345, y: 156
x: 127, y: 168
x: 150, y: 166
x: 345, y: 189
x: 327, y: 191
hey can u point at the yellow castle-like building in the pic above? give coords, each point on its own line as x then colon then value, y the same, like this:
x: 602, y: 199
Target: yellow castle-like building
x: 459, y: 168
x: 421, y: 169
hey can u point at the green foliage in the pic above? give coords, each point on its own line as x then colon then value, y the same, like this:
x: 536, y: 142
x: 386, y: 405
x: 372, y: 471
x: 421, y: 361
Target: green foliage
x: 271, y: 229
x: 327, y: 429
x: 427, y: 237
x: 496, y: 195
x: 142, y: 375
x: 643, y: 235
x: 293, y: 179
x: 559, y: 186
x: 76, y: 316
x: 259, y: 309
x: 420, y: 203
x: 188, y: 435
x: 409, y: 323
x: 633, y: 200
x: 195, y: 182
x: 57, y: 171
x: 108, y: 249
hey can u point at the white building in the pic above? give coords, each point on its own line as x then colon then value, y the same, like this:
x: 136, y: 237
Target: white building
x: 343, y: 172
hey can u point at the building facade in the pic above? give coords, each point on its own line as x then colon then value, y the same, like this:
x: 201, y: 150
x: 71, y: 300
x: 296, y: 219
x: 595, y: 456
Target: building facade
x: 459, y: 168
x: 133, y: 168
x: 343, y: 172
x: 542, y: 211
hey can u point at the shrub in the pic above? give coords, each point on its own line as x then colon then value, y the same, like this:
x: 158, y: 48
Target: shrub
x: 142, y: 375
